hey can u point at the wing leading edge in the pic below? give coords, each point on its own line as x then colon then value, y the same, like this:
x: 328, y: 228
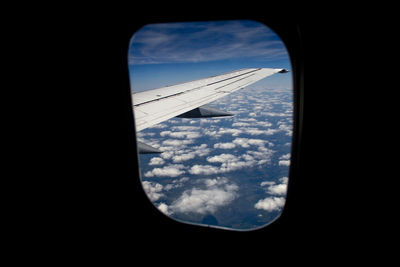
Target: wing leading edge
x: 158, y: 105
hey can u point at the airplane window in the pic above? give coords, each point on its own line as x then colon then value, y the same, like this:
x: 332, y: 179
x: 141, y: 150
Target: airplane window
x: 213, y: 107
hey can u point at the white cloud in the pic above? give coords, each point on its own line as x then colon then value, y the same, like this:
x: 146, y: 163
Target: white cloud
x: 173, y: 170
x: 263, y: 155
x: 279, y: 189
x: 286, y: 127
x: 218, y: 193
x: 247, y: 157
x: 183, y: 157
x: 224, y: 145
x: 274, y: 114
x: 253, y: 131
x: 241, y: 124
x: 236, y: 165
x: 164, y: 209
x: 211, y: 182
x: 156, y: 161
x: 204, y: 169
x: 246, y: 142
x: 264, y: 123
x: 183, y: 134
x: 286, y: 156
x: 176, y: 143
x: 183, y: 153
x: 201, y: 150
x: 211, y: 132
x: 234, y: 132
x: 284, y: 180
x: 270, y: 203
x: 228, y: 162
x: 267, y: 183
x: 176, y: 183
x: 248, y: 119
x: 271, y: 131
x: 167, y: 154
x: 284, y: 163
x: 222, y: 158
x: 186, y: 128
x: 153, y: 190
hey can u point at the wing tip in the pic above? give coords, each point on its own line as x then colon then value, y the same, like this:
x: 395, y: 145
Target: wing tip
x: 283, y: 71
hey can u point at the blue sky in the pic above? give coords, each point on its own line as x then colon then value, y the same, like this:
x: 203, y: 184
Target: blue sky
x: 166, y: 54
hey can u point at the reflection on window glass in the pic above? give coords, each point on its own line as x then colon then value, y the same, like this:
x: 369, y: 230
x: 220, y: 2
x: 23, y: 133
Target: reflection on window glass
x: 228, y: 171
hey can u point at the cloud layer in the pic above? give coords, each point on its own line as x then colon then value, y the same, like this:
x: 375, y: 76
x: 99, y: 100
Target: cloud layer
x: 208, y: 166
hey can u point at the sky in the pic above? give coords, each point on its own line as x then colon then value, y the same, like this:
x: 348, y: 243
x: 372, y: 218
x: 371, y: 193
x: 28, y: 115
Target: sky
x: 226, y: 172
x: 166, y: 54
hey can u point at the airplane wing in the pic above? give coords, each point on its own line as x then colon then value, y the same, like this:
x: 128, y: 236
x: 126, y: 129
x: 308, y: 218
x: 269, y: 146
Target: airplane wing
x: 188, y: 100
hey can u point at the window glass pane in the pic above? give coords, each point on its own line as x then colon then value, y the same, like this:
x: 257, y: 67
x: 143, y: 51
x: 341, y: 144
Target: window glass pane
x: 228, y: 171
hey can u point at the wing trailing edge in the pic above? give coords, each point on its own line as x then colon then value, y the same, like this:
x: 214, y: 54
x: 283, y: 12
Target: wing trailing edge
x: 146, y: 149
x: 205, y: 112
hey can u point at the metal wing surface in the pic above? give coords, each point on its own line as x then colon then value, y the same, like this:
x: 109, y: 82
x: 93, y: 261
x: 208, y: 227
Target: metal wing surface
x: 158, y: 105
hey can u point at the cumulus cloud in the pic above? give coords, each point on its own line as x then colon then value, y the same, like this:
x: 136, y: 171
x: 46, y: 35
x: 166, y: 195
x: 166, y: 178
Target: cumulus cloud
x: 252, y: 120
x: 204, y: 169
x: 276, y: 189
x: 247, y: 142
x: 279, y: 189
x: 176, y: 183
x: 284, y: 180
x: 176, y: 143
x: 270, y: 203
x: 224, y: 145
x: 264, y: 123
x: 277, y: 201
x: 254, y: 131
x: 222, y: 158
x: 285, y: 127
x: 168, y: 154
x: 233, y: 132
x: 241, y: 124
x: 186, y: 128
x: 274, y: 114
x: 164, y: 209
x: 284, y: 163
x: 218, y: 192
x: 286, y: 156
x: 156, y: 161
x: 229, y: 162
x: 173, y: 170
x: 182, y: 134
x: 202, y: 150
x: 236, y: 165
x: 267, y: 183
x: 152, y: 190
x: 183, y: 157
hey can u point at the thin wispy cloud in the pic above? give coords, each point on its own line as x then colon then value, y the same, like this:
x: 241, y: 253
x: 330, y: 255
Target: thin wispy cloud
x: 201, y: 42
